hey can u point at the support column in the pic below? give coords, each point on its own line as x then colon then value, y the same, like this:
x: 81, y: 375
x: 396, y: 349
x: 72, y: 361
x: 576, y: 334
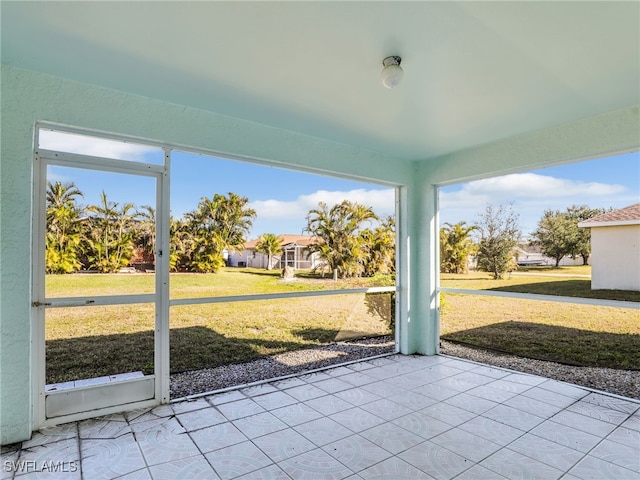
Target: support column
x: 418, y: 266
x: 15, y: 280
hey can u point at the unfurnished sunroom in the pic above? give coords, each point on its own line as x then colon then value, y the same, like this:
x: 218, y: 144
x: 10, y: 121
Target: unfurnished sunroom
x: 488, y: 89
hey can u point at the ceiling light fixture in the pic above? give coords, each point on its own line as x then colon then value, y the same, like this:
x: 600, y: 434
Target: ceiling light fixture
x: 392, y: 72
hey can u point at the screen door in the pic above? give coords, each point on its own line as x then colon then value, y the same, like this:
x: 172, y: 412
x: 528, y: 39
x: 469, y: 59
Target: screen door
x: 98, y: 281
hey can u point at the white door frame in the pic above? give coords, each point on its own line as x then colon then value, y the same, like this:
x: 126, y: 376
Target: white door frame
x: 55, y: 407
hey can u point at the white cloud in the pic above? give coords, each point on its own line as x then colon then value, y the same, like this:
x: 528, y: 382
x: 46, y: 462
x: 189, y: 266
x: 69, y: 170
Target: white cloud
x: 530, y: 195
x: 98, y: 147
x: 534, y: 185
x: 382, y: 202
x: 527, y: 187
x: 54, y: 175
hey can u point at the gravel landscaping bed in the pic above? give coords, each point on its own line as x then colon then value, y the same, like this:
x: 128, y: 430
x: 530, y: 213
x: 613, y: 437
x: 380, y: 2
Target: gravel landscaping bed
x: 619, y: 382
x: 298, y: 361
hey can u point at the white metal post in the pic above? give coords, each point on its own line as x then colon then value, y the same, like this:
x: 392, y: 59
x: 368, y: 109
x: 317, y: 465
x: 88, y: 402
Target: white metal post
x: 39, y: 225
x: 162, y: 363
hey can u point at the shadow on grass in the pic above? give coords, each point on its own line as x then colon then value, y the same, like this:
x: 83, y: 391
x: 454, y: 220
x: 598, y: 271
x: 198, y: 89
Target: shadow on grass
x: 558, y: 344
x: 570, y: 288
x: 99, y: 355
x: 191, y: 348
x: 199, y: 347
x: 321, y: 336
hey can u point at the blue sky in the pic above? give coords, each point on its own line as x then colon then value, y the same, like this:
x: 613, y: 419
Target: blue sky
x: 282, y: 198
x: 612, y: 182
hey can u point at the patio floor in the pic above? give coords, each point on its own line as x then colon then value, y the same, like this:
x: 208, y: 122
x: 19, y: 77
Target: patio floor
x: 398, y: 417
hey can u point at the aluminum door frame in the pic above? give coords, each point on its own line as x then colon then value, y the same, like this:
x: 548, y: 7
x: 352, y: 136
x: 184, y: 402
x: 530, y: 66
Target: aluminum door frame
x: 103, y: 399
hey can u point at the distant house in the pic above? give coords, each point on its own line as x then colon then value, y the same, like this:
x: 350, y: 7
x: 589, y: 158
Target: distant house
x: 531, y: 255
x: 615, y: 249
x: 294, y: 254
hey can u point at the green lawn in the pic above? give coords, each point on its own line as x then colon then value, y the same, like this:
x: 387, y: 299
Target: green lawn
x: 568, y: 269
x: 92, y: 341
x: 576, y: 334
x: 549, y: 284
x: 85, y: 342
x: 227, y: 282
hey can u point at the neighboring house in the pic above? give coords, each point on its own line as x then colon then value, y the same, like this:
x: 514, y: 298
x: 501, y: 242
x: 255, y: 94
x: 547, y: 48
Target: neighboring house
x: 294, y: 254
x: 531, y: 255
x: 615, y: 249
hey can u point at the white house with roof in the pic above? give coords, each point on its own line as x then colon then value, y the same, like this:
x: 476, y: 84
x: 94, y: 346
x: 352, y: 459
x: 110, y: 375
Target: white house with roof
x: 531, y: 255
x: 294, y: 254
x: 615, y: 249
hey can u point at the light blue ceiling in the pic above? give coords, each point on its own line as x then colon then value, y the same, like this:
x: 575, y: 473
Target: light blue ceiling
x: 475, y: 72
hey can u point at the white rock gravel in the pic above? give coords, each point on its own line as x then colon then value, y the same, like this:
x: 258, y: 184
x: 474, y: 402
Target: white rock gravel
x: 619, y: 382
x: 210, y: 379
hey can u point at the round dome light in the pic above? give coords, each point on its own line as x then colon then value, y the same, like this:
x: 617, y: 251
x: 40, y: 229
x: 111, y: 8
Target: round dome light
x: 392, y: 72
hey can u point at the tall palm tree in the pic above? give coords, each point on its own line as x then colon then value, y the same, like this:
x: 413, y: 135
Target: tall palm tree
x: 112, y: 234
x: 64, y: 228
x: 336, y: 229
x: 270, y: 245
x: 61, y: 195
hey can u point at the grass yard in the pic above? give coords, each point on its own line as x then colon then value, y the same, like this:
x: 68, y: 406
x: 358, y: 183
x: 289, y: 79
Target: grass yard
x: 576, y: 334
x: 85, y: 342
x: 212, y: 335
x: 227, y: 282
x: 567, y: 269
x: 544, y: 282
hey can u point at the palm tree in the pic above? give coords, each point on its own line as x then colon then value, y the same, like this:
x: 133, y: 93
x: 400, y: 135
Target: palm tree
x: 61, y: 195
x: 217, y: 224
x: 270, y: 245
x: 64, y: 228
x: 112, y: 234
x: 455, y: 247
x: 336, y: 229
x: 147, y: 231
x: 180, y: 243
x: 380, y: 248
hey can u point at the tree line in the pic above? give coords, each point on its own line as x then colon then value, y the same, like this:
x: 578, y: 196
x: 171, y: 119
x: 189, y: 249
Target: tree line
x: 498, y: 234
x: 350, y: 238
x: 106, y: 237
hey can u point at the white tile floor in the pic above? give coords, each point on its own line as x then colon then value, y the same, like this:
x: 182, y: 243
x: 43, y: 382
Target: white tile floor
x: 397, y: 417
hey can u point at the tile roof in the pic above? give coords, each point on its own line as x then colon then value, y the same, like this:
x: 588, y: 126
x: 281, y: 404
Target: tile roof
x: 628, y: 215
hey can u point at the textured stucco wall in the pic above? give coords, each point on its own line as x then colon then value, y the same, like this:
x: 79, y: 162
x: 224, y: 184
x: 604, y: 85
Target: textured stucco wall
x: 15, y: 275
x: 28, y: 97
x: 615, y: 257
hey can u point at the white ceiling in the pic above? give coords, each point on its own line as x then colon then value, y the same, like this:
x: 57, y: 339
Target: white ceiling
x: 475, y: 72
